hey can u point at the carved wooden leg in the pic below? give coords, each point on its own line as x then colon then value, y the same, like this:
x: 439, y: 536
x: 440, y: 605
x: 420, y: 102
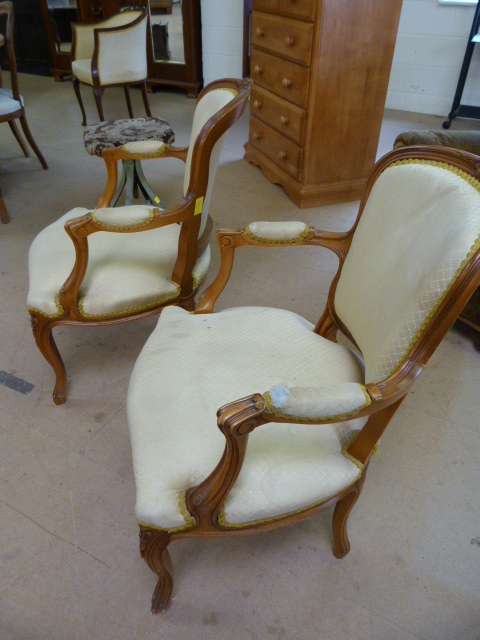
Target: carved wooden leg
x: 42, y: 332
x: 76, y: 88
x: 33, y: 144
x: 145, y: 100
x: 98, y: 101
x: 341, y: 544
x: 153, y: 549
x: 13, y: 126
x: 129, y: 102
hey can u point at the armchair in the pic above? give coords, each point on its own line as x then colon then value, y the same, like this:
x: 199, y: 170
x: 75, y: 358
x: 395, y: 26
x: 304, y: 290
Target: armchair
x: 251, y: 418
x: 112, y: 53
x: 109, y: 266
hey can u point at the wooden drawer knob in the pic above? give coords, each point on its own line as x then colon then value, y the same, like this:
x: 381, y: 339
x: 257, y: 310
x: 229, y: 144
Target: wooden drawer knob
x: 257, y: 70
x: 256, y: 136
x: 259, y: 32
x: 282, y: 155
x: 284, y: 120
x: 286, y: 83
x: 257, y: 104
x: 289, y: 42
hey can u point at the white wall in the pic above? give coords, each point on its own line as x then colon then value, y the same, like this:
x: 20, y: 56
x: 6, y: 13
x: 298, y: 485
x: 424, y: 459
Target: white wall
x: 429, y: 52
x: 428, y: 56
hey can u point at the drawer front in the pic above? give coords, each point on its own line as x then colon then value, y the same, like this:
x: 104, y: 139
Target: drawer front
x: 282, y: 152
x: 286, y: 79
x: 281, y: 115
x: 291, y: 39
x: 270, y: 6
x: 301, y: 9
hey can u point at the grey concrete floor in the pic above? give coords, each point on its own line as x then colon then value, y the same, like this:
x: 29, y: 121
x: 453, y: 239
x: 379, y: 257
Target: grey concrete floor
x: 70, y: 568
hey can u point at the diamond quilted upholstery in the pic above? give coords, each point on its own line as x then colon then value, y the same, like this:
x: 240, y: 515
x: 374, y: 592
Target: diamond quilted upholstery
x: 192, y: 365
x: 420, y: 222
x: 125, y: 271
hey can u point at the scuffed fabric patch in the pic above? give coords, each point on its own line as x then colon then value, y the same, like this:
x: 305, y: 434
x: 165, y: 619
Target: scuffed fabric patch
x: 116, y: 133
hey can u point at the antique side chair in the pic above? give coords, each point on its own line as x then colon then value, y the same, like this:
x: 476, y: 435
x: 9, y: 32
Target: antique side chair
x: 251, y: 418
x: 111, y: 265
x: 111, y: 53
x: 11, y: 102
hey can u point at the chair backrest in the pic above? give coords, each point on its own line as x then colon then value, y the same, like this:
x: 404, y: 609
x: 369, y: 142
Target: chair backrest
x: 417, y: 234
x: 218, y: 106
x: 6, y: 8
x: 121, y: 54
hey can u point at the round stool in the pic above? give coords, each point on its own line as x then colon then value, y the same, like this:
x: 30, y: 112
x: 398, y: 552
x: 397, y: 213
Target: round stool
x: 116, y: 133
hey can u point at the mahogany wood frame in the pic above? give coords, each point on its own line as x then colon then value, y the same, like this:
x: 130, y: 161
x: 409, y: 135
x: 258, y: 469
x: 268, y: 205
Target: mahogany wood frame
x: 238, y: 419
x: 6, y: 8
x: 190, y: 246
x: 98, y: 88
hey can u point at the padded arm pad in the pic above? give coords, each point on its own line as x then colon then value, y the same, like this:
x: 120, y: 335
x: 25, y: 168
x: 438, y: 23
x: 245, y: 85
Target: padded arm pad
x: 123, y: 218
x: 317, y: 404
x: 278, y: 232
x: 145, y: 148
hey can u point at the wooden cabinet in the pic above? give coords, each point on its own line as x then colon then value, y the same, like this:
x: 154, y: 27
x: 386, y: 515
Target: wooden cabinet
x: 320, y: 70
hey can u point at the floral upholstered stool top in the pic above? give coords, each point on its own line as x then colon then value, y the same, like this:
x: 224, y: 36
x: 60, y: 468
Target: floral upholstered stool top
x: 118, y: 133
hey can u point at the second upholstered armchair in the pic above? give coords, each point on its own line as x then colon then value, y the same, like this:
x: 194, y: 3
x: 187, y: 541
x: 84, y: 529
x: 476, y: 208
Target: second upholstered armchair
x: 112, y: 53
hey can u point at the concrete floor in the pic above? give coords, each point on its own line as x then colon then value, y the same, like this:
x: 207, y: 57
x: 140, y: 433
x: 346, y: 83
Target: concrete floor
x: 69, y: 559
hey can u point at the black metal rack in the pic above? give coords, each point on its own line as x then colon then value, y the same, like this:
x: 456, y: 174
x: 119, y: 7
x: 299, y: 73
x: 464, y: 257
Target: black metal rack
x: 458, y: 109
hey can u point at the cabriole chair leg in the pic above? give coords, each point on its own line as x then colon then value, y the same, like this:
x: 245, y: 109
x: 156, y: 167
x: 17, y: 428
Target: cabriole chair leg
x: 129, y: 102
x: 98, y: 101
x: 153, y: 549
x: 42, y: 332
x: 76, y: 88
x: 33, y: 144
x: 145, y: 100
x: 341, y: 543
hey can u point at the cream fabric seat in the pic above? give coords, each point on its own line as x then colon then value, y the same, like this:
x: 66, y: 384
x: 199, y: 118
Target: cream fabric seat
x: 177, y: 444
x: 125, y: 272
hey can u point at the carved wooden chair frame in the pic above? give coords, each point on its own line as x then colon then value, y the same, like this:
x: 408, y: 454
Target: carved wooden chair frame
x: 98, y: 88
x: 238, y: 419
x: 190, y: 246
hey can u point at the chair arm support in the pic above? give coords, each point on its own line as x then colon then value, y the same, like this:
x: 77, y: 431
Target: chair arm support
x: 128, y: 220
x: 267, y: 234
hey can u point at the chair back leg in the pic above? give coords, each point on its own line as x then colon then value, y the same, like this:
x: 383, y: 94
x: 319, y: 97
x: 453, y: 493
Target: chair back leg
x: 33, y: 144
x: 76, y: 88
x: 145, y: 99
x: 98, y: 93
x: 13, y: 126
x: 129, y: 102
x: 3, y: 210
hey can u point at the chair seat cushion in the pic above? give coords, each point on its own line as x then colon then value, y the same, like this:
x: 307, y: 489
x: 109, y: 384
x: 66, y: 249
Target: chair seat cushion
x: 191, y: 366
x: 7, y: 102
x: 116, y: 133
x: 82, y: 69
x: 126, y: 271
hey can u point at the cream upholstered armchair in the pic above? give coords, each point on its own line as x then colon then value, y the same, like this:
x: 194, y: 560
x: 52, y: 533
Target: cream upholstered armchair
x: 116, y: 264
x: 111, y: 53
x: 251, y: 418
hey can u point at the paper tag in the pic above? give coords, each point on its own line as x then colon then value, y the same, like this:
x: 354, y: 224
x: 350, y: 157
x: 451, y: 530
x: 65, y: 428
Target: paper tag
x: 198, y: 206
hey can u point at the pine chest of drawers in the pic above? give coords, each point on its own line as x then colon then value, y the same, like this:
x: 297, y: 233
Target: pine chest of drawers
x: 320, y: 70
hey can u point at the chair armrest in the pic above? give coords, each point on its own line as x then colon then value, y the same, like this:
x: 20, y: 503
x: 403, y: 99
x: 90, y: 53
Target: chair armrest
x: 267, y: 234
x: 317, y: 404
x: 124, y: 218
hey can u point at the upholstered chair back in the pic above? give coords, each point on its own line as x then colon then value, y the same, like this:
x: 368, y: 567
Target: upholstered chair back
x: 207, y: 106
x: 129, y: 63
x: 426, y: 212
x: 84, y: 45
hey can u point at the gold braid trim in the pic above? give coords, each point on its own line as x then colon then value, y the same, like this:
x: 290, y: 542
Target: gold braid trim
x: 119, y: 314
x: 278, y: 414
x: 145, y: 156
x: 473, y: 182
x: 223, y: 522
x: 299, y: 238
x: 59, y: 313
x: 138, y: 225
